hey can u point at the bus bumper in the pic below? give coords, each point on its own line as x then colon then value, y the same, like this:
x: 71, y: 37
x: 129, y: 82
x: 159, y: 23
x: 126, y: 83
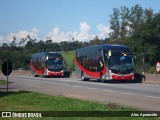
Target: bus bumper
x: 60, y: 73
x: 122, y: 76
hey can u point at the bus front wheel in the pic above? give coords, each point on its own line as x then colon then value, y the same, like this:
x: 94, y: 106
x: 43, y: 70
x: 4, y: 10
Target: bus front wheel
x: 83, y: 78
x: 34, y: 74
x: 102, y: 78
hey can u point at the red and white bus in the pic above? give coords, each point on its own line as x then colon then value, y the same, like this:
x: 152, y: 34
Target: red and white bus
x: 47, y: 64
x: 104, y: 62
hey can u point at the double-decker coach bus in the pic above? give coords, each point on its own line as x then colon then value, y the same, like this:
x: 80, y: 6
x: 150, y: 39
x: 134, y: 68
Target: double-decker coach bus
x: 104, y: 62
x: 47, y: 64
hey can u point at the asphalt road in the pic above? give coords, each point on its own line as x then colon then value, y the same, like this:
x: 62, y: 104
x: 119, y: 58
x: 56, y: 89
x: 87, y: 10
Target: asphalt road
x: 143, y: 96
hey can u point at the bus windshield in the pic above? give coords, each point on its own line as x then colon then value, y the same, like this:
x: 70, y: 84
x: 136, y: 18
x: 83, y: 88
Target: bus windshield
x: 120, y: 61
x: 54, y: 64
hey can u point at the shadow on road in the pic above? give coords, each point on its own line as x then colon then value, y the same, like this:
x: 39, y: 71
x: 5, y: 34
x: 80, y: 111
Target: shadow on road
x: 139, y: 78
x: 67, y: 74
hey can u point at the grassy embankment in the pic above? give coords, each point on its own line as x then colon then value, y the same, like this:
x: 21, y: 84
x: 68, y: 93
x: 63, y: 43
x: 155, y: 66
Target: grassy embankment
x: 27, y: 101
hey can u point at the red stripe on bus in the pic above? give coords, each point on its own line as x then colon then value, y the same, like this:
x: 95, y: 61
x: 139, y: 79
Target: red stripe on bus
x: 90, y: 73
x: 38, y: 71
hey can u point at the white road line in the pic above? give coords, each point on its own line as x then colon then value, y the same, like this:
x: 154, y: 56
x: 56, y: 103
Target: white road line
x: 157, y: 85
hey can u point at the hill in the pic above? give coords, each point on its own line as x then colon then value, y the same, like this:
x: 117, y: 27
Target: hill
x: 69, y: 57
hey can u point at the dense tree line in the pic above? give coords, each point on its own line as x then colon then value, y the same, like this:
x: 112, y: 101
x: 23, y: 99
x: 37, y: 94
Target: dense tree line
x: 139, y: 29
x: 20, y: 55
x: 136, y: 27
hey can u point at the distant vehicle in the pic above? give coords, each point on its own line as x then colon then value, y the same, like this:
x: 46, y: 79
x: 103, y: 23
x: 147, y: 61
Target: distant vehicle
x: 21, y: 69
x: 47, y: 64
x: 104, y: 62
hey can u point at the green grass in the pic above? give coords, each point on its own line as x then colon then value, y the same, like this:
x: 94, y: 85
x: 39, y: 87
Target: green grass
x: 69, y: 57
x: 27, y: 101
x: 3, y: 82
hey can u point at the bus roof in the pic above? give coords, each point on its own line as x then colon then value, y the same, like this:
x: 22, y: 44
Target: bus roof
x: 115, y: 47
x: 45, y: 53
x: 112, y: 47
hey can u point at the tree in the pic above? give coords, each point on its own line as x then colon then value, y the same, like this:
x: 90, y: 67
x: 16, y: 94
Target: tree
x: 146, y: 39
x: 22, y: 41
x: 115, y: 25
x: 125, y: 20
x: 139, y: 29
x: 13, y: 43
x: 48, y: 42
x: 124, y: 13
x: 30, y: 45
x: 5, y: 46
x: 64, y: 45
x: 96, y: 41
x: 48, y: 45
x: 55, y: 47
x: 40, y: 46
x: 136, y: 16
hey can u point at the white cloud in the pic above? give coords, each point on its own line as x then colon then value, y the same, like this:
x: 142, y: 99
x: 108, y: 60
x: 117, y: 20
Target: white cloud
x: 84, y: 27
x: 21, y: 34
x: 104, y: 31
x: 1, y: 38
x: 83, y: 35
x: 57, y: 35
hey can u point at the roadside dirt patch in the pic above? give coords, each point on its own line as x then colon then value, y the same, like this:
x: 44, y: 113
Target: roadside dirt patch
x: 152, y: 78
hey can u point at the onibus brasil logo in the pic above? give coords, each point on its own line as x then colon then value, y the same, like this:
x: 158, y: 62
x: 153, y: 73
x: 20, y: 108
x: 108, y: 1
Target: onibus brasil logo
x: 21, y: 114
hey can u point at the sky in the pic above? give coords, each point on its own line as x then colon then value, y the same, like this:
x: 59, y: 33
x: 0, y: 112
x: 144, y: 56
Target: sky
x: 61, y: 20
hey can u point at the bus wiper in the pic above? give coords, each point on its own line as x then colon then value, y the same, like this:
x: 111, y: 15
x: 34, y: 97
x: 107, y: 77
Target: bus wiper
x: 124, y: 63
